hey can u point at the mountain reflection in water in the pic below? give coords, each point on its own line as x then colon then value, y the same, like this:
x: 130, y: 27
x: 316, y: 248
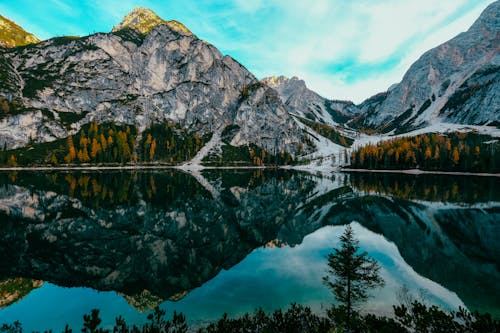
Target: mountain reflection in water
x: 242, y: 235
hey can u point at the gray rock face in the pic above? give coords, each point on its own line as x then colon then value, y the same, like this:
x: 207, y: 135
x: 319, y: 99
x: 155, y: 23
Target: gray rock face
x: 258, y: 113
x: 135, y: 79
x: 455, y: 82
x: 305, y: 103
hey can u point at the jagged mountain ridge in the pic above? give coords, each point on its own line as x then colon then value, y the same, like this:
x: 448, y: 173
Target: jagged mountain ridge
x: 12, y: 35
x: 167, y: 74
x: 151, y: 70
x: 456, y: 82
x: 302, y: 101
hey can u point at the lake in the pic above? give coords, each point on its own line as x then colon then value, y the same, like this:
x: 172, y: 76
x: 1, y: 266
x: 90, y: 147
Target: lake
x: 231, y: 241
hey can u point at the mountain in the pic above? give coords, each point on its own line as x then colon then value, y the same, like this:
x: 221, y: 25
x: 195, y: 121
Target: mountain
x: 302, y: 101
x: 144, y: 20
x: 147, y: 71
x: 456, y: 82
x: 12, y: 35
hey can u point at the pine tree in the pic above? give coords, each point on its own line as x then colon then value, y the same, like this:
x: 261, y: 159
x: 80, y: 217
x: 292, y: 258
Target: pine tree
x: 351, y: 273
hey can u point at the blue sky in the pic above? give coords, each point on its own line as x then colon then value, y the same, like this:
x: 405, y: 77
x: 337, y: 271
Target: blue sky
x: 343, y: 49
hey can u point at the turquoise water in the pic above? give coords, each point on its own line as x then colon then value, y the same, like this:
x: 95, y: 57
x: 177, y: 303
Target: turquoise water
x: 251, y: 259
x: 270, y: 278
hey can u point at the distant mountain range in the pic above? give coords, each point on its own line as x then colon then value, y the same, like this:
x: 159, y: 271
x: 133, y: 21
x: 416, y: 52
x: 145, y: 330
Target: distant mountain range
x: 150, y: 71
x: 456, y: 82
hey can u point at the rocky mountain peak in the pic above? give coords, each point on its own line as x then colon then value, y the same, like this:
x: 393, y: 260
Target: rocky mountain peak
x: 490, y: 17
x: 303, y: 102
x: 144, y: 20
x: 12, y: 35
x: 278, y: 81
x: 455, y: 82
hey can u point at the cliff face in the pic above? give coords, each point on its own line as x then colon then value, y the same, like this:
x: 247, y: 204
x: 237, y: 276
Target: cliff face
x: 166, y: 74
x: 456, y: 82
x: 302, y: 101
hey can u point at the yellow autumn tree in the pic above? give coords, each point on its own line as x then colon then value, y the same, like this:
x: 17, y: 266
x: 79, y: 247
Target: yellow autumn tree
x: 455, y: 156
x: 428, y: 153
x: 152, y: 149
x: 12, y: 161
x: 436, y: 152
x: 5, y: 107
x: 71, y: 150
x: 85, y: 155
x: 95, y: 148
x: 104, y: 143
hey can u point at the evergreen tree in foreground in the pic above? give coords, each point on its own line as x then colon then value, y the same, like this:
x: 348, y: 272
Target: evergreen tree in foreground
x: 351, y: 273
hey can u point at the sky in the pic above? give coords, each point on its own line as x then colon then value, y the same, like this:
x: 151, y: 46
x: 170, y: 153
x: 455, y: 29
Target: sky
x: 343, y: 49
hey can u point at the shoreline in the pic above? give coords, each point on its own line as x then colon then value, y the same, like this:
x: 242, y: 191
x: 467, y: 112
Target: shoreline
x: 201, y: 167
x: 421, y: 172
x: 130, y: 167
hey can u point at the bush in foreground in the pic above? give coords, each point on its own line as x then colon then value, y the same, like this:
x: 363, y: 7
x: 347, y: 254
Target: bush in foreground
x: 416, y: 317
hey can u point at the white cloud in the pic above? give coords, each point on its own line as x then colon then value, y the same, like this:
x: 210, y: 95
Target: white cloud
x: 342, y: 49
x: 303, y: 38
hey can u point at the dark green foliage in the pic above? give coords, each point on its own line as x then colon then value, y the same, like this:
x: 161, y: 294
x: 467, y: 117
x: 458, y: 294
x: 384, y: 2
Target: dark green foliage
x: 466, y: 152
x: 421, y: 318
x: 397, y: 124
x: 111, y: 144
x: 428, y: 187
x: 91, y: 322
x: 99, y: 190
x: 351, y: 273
x: 249, y: 88
x: 120, y: 143
x: 69, y: 118
x: 33, y: 154
x: 37, y: 79
x: 297, y: 319
x: 62, y: 40
x: 328, y: 132
x: 337, y: 116
x: 130, y: 35
x: 360, y: 121
x: 228, y: 133
x: 173, y: 143
x: 249, y: 155
x: 15, y: 327
x: 418, y: 318
x: 470, y: 88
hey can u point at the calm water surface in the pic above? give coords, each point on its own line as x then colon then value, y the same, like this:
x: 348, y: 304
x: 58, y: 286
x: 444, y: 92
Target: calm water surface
x: 231, y: 241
